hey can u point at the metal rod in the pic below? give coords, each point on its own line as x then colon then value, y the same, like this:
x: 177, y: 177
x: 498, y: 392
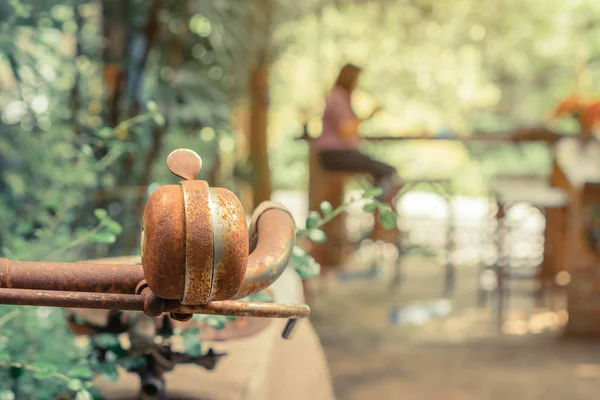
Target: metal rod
x: 289, y: 327
x: 245, y: 309
x: 501, y: 266
x: 110, y: 301
x: 51, y: 298
x: 73, y: 277
x: 275, y: 233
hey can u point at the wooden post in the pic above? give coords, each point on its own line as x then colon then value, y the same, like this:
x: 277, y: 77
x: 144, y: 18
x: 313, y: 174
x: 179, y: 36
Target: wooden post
x: 259, y: 110
x: 259, y: 158
x: 327, y: 186
x: 580, y: 259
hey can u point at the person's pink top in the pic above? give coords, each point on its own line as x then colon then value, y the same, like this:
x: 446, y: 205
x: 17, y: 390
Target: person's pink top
x: 337, y: 110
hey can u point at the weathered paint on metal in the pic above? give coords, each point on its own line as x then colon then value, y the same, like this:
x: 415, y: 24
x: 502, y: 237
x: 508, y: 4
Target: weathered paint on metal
x: 199, y: 243
x: 230, y: 233
x: 52, y: 298
x: 151, y: 305
x: 275, y: 232
x: 77, y: 277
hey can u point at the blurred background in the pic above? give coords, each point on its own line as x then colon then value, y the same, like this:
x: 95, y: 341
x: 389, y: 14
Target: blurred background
x: 95, y: 95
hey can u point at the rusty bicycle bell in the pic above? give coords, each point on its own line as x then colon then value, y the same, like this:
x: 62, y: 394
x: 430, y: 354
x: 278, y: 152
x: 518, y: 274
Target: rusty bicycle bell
x: 194, y: 240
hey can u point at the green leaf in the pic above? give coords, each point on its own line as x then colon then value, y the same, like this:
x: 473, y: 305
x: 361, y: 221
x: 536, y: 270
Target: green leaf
x: 81, y: 371
x: 109, y: 371
x: 192, y: 345
x: 83, y: 395
x: 159, y: 119
x: 133, y: 363
x: 44, y: 365
x: 104, y: 237
x: 152, y: 106
x: 44, y: 370
x: 113, y: 226
x: 6, y: 394
x: 75, y: 385
x: 299, y: 251
x: 312, y: 219
x: 388, y: 220
x: 304, y: 265
x: 105, y: 132
x: 372, y: 192
x: 42, y: 374
x: 100, y: 214
x: 326, y: 208
x: 216, y: 322
x: 193, y: 330
x: 106, y: 340
x: 370, y: 207
x: 317, y: 236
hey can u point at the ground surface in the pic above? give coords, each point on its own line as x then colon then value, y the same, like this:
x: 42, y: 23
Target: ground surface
x: 460, y: 356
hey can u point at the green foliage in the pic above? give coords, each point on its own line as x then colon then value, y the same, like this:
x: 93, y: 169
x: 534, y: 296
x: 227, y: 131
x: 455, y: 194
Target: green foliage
x: 191, y: 342
x: 304, y: 264
x: 66, y: 146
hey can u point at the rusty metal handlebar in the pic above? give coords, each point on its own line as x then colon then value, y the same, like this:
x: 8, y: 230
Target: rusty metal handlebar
x: 198, y: 256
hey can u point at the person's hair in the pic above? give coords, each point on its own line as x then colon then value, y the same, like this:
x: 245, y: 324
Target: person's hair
x: 347, y: 77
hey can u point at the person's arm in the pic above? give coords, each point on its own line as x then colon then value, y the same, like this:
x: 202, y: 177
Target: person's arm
x: 348, y: 121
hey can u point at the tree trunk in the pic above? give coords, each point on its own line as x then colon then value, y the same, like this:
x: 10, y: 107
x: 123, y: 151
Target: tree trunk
x: 259, y: 108
x: 259, y: 158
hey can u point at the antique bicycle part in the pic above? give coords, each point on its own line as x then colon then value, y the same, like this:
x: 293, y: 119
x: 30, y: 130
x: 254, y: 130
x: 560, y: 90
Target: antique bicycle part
x: 198, y: 257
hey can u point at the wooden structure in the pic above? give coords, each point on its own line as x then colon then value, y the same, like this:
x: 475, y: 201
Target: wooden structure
x: 328, y: 186
x: 553, y: 203
x: 576, y: 169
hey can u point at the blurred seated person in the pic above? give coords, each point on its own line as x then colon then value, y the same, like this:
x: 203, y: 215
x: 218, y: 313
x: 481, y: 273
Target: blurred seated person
x: 338, y: 145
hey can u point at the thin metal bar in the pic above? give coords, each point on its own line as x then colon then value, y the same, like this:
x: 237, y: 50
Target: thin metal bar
x: 110, y: 301
x: 245, y: 309
x: 501, y: 266
x: 51, y: 298
x: 70, y: 277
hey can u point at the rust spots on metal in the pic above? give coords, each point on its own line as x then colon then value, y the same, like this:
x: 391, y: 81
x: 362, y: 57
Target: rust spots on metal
x: 77, y: 277
x: 198, y: 243
x: 49, y: 298
x: 153, y: 305
x: 164, y: 233
x: 230, y: 234
x: 184, y: 163
x: 275, y: 233
x: 195, y: 246
x: 244, y: 309
x: 149, y: 303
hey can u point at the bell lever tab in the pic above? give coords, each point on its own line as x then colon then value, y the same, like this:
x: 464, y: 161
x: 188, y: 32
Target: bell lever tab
x: 184, y: 163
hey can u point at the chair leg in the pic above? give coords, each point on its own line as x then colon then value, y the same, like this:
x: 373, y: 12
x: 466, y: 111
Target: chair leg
x: 500, y: 297
x: 397, y: 279
x: 482, y: 294
x: 449, y: 280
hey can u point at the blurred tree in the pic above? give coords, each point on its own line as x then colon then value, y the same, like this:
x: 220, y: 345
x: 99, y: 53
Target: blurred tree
x: 95, y: 94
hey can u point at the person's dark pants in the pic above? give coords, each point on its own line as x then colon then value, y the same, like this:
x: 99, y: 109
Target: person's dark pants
x: 355, y: 161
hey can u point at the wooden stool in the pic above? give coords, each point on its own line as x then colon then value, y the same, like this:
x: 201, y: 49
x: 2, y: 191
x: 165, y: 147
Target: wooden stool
x: 328, y: 186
